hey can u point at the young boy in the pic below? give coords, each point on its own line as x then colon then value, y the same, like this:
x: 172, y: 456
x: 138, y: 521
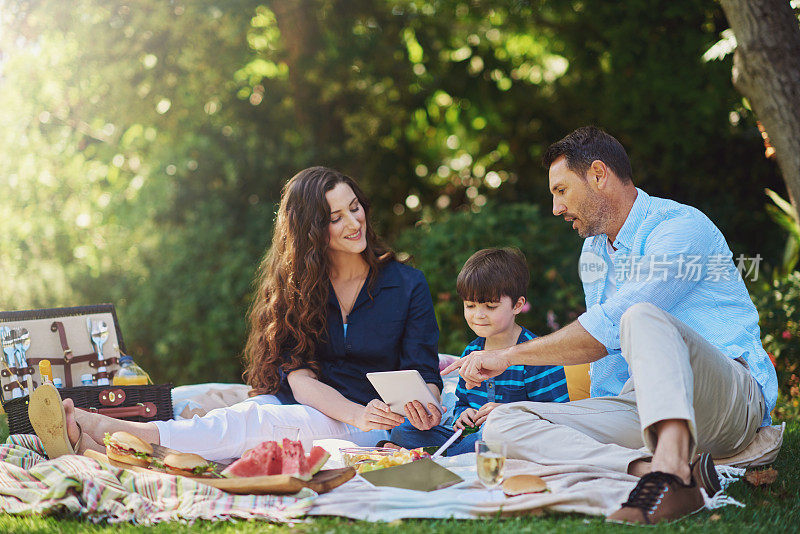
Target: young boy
x: 492, y: 284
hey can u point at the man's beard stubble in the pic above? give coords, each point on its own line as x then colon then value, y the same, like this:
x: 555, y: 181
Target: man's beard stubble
x: 599, y: 214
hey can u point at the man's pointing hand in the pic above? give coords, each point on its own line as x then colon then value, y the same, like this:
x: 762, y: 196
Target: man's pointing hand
x: 480, y: 365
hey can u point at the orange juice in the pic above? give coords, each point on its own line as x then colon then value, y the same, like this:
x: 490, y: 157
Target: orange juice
x: 136, y: 380
x: 130, y: 374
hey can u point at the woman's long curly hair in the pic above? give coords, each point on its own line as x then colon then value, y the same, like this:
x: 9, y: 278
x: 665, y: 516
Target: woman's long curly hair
x: 288, y: 315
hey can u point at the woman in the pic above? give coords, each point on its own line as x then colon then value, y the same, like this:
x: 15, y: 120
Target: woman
x: 332, y: 304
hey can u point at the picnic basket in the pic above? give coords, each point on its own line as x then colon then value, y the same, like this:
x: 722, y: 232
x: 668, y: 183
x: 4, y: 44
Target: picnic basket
x: 60, y: 335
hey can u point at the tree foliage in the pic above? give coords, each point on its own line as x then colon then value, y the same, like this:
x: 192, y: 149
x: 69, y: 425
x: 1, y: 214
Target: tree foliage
x: 440, y: 249
x: 143, y: 144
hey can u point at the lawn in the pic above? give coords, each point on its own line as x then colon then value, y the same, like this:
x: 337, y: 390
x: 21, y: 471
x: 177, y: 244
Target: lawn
x: 774, y: 508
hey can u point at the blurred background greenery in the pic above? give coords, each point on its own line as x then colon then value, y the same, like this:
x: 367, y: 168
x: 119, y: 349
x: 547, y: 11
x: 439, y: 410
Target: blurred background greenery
x: 143, y: 146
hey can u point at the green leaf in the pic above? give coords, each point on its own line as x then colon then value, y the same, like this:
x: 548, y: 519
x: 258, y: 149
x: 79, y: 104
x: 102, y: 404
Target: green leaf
x: 783, y: 204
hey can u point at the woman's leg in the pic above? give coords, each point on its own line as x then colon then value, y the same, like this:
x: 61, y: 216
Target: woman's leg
x: 228, y: 432
x: 223, y: 433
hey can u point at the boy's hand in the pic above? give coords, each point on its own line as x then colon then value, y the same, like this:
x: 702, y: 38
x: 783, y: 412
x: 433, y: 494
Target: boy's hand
x: 467, y: 418
x: 419, y: 417
x: 480, y: 365
x: 483, y: 413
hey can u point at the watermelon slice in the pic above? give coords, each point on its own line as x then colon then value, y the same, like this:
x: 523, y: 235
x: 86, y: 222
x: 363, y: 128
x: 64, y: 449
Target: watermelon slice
x: 294, y: 460
x: 316, y: 459
x: 247, y: 466
x: 264, y: 459
x: 271, y: 458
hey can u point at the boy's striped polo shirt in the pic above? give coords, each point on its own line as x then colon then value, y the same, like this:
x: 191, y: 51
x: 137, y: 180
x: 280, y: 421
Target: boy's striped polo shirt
x: 538, y: 383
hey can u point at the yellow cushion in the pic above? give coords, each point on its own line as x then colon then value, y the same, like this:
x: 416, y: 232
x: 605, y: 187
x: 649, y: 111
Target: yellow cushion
x: 578, y: 382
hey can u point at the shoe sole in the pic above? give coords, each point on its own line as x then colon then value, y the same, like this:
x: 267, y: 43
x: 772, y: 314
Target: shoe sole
x: 665, y: 522
x: 49, y: 421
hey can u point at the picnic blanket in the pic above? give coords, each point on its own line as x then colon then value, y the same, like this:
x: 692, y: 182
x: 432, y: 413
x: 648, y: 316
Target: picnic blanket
x: 578, y: 489
x: 81, y: 486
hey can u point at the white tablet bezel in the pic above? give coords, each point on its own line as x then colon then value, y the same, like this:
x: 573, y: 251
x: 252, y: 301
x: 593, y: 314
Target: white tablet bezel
x: 397, y: 388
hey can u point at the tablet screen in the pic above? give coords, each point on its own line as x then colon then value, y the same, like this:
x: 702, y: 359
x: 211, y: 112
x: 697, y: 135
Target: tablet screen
x: 397, y: 388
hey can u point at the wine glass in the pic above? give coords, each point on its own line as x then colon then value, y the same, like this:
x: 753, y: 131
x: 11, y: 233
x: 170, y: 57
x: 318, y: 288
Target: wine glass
x: 291, y: 433
x: 490, y: 459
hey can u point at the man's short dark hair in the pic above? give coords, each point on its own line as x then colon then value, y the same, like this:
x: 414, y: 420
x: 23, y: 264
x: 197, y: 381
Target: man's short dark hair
x: 587, y: 144
x: 492, y: 273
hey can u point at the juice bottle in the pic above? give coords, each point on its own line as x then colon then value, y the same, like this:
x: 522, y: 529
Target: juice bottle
x: 130, y: 374
x: 46, y: 372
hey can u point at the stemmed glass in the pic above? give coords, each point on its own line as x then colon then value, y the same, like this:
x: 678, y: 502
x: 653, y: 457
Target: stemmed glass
x: 490, y: 459
x: 283, y: 431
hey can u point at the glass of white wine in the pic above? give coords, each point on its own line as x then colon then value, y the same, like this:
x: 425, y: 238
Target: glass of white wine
x: 490, y: 458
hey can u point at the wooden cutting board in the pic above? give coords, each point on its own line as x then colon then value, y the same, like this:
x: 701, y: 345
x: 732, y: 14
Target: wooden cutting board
x: 322, y: 482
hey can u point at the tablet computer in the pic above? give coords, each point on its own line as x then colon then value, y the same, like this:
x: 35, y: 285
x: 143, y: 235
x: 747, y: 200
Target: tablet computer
x: 397, y: 388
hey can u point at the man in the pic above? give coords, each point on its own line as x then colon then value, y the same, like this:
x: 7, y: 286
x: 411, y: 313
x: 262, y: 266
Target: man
x: 677, y: 364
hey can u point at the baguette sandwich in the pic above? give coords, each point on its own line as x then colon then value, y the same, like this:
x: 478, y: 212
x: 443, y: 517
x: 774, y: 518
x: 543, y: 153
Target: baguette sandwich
x: 128, y: 449
x: 188, y: 465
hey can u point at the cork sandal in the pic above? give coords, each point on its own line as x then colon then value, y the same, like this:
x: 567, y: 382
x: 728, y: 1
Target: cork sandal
x: 49, y: 421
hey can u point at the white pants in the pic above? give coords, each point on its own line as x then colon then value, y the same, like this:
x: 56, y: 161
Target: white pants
x: 227, y: 433
x: 675, y: 374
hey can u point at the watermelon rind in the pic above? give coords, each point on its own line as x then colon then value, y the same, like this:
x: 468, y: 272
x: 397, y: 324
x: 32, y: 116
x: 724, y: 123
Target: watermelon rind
x: 316, y: 458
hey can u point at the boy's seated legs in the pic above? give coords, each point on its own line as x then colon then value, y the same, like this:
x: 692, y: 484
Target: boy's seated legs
x: 409, y: 437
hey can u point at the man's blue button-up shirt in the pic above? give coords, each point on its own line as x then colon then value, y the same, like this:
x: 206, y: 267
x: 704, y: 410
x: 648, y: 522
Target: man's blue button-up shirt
x: 670, y: 255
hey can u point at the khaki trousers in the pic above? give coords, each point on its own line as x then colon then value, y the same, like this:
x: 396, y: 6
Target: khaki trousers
x: 675, y: 374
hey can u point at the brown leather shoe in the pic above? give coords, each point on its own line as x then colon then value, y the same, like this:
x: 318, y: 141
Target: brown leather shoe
x: 705, y: 474
x: 659, y: 497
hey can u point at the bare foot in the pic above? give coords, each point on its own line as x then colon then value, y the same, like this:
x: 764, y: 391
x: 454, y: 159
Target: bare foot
x: 73, y: 431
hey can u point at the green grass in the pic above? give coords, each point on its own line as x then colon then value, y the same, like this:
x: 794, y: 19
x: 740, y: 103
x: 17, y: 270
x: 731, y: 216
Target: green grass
x: 773, y: 509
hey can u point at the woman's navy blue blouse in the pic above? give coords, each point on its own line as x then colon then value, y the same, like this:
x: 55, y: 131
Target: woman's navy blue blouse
x: 391, y: 327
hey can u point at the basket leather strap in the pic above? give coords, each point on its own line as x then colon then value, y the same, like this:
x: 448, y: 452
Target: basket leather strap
x: 58, y: 326
x: 15, y: 384
x: 19, y: 371
x: 146, y: 409
x: 91, y: 358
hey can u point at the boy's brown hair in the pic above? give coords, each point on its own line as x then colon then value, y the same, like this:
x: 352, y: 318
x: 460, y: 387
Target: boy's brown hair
x: 492, y: 273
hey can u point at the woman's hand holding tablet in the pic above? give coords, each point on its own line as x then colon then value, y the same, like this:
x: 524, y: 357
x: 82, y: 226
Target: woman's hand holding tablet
x: 378, y: 416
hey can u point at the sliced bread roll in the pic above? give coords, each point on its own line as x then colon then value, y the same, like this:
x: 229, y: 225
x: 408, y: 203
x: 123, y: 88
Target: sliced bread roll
x: 521, y: 484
